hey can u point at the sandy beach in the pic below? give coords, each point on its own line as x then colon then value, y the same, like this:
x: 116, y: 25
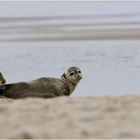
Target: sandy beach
x: 42, y: 39
x: 71, y: 117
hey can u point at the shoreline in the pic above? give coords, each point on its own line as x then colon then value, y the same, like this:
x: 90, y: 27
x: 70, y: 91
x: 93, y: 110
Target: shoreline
x: 69, y: 36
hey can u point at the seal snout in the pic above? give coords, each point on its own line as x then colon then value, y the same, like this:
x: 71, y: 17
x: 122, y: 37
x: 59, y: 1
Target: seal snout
x: 79, y: 77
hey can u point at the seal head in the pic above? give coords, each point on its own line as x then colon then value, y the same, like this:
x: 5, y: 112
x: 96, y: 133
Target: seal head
x: 73, y: 74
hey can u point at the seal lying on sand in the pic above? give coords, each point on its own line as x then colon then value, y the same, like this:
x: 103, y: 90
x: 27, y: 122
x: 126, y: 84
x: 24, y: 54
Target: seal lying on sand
x: 2, y: 80
x: 44, y: 87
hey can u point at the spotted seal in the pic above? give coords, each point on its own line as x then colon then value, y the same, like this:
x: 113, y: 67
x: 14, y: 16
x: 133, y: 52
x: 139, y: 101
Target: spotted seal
x: 45, y: 87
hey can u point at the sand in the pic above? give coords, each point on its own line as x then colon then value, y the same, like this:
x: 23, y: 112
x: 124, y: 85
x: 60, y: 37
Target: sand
x: 71, y: 117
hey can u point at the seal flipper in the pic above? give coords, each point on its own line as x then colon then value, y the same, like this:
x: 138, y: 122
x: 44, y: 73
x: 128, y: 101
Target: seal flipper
x: 4, y: 88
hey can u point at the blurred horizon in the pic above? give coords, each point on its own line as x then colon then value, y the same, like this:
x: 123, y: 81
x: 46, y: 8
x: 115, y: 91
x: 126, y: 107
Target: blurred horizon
x: 54, y: 21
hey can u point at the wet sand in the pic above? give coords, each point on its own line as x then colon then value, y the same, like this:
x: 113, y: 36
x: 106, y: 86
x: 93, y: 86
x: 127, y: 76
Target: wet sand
x: 71, y: 117
x: 37, y: 34
x: 69, y: 28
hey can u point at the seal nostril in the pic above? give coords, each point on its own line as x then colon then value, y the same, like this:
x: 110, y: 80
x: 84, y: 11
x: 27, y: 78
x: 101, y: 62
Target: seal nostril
x: 79, y: 76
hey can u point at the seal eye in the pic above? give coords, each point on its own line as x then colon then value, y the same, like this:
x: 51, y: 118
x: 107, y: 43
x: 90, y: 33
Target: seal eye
x: 71, y: 74
x: 79, y: 71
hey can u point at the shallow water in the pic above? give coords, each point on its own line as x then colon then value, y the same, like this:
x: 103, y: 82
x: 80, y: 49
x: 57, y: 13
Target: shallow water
x: 109, y: 67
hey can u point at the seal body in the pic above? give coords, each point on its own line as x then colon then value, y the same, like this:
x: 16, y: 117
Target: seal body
x: 42, y: 87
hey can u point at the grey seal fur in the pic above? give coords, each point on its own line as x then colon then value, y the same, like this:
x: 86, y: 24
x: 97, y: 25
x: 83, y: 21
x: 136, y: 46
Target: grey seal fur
x: 45, y: 87
x: 2, y: 79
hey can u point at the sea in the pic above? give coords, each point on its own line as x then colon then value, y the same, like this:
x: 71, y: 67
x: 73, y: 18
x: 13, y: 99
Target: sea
x: 43, y: 39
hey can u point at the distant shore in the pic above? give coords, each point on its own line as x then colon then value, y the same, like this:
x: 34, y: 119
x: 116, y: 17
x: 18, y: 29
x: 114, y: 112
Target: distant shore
x: 67, y: 28
x: 71, y: 117
x: 45, y: 34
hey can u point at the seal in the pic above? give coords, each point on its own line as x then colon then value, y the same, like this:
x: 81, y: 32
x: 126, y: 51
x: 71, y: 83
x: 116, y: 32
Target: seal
x: 45, y: 87
x: 2, y: 79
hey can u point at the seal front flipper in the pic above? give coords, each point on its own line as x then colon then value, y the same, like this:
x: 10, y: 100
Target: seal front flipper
x: 15, y: 90
x: 4, y: 88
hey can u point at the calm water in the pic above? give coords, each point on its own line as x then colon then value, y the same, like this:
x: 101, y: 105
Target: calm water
x: 109, y: 67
